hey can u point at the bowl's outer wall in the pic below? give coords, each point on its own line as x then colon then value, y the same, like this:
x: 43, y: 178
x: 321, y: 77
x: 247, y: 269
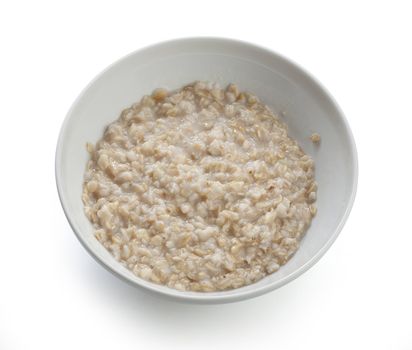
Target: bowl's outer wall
x: 303, y: 104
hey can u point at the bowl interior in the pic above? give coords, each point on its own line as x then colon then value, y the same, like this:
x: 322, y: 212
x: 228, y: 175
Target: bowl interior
x: 305, y: 106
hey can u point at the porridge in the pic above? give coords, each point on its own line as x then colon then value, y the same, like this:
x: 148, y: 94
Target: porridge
x: 315, y: 137
x: 199, y: 189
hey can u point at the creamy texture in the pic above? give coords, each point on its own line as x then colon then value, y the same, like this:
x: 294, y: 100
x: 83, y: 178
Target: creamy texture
x: 199, y: 189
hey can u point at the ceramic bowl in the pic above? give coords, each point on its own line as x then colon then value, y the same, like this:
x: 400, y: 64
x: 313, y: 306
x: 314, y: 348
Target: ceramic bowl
x: 305, y: 105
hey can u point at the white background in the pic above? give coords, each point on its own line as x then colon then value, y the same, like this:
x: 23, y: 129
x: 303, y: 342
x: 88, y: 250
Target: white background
x: 53, y: 295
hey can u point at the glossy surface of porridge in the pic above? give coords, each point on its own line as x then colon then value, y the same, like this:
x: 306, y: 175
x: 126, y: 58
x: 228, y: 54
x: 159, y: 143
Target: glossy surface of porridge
x: 200, y: 189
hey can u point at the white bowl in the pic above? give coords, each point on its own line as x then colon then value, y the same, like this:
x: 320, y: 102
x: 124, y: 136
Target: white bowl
x: 307, y: 108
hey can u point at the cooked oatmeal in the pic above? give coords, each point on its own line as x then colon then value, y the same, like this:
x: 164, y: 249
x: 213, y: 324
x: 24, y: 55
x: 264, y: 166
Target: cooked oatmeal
x: 199, y: 189
x: 315, y: 137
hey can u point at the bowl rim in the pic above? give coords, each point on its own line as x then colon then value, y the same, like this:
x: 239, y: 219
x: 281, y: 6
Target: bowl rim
x: 199, y: 297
